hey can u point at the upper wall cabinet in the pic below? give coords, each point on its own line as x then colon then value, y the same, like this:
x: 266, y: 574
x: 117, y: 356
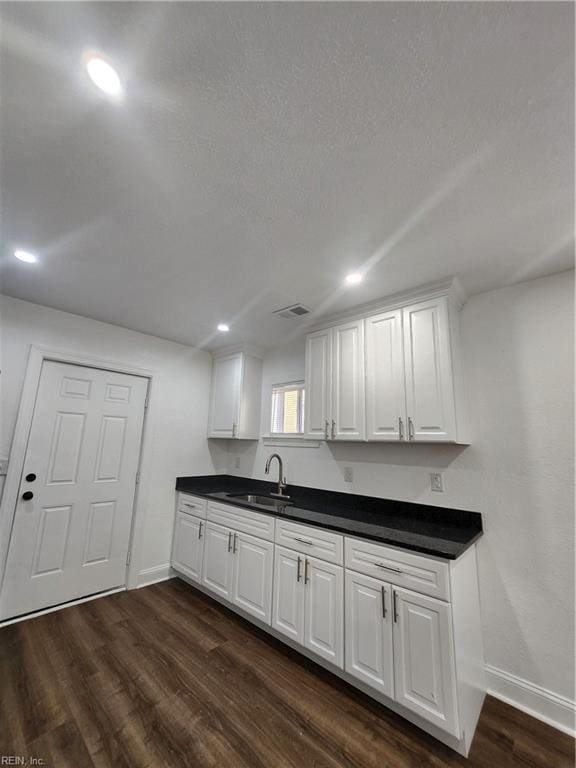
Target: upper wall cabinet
x: 334, y: 407
x: 392, y: 375
x: 236, y: 396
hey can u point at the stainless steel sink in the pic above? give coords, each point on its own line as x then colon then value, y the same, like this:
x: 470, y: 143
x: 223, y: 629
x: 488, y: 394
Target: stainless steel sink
x: 261, y: 501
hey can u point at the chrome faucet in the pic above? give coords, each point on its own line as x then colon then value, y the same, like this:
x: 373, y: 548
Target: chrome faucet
x: 281, y: 478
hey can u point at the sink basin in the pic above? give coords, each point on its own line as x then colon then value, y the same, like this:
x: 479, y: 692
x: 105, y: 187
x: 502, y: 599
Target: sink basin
x: 261, y: 501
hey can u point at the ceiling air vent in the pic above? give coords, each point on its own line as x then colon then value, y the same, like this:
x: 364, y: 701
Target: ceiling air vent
x: 295, y: 310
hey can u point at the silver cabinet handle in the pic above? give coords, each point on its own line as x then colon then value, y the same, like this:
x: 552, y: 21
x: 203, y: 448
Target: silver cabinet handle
x: 229, y: 540
x: 200, y: 529
x: 187, y: 504
x: 333, y: 429
x: 383, y: 602
x: 298, y: 569
x: 400, y: 428
x: 326, y: 429
x: 233, y: 430
x: 306, y: 579
x: 234, y: 544
x: 388, y: 568
x: 395, y: 605
x: 304, y: 541
x: 410, y: 428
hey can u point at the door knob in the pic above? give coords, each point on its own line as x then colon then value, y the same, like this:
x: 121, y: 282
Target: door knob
x: 30, y: 477
x: 27, y: 495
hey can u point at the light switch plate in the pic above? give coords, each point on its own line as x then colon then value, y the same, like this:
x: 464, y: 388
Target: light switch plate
x: 237, y: 462
x: 436, y: 482
x: 3, y: 466
x: 348, y: 475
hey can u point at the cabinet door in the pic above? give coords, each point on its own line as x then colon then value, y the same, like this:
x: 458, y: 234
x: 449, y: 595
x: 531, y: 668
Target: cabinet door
x: 324, y: 620
x: 348, y: 382
x: 425, y: 676
x: 217, y: 567
x: 288, y: 601
x: 188, y: 547
x: 317, y: 414
x: 385, y: 390
x: 369, y: 654
x: 252, y: 577
x: 225, y: 396
x: 428, y: 364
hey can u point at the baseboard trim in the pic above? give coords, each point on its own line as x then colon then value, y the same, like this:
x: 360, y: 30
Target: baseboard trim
x: 153, y: 575
x: 553, y: 709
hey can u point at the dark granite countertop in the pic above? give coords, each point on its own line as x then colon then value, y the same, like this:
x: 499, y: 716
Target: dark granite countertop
x: 438, y: 531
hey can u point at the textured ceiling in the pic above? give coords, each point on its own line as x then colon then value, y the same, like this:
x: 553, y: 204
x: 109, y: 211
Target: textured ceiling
x: 265, y: 150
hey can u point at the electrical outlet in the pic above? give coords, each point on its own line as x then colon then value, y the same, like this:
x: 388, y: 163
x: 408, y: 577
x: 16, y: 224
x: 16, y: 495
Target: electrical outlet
x: 236, y: 462
x: 436, y: 482
x: 348, y: 475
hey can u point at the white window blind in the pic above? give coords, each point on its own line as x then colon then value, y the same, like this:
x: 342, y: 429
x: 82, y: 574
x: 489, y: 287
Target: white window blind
x: 288, y: 409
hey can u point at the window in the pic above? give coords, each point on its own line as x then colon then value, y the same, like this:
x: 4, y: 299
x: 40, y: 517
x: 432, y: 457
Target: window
x: 288, y: 409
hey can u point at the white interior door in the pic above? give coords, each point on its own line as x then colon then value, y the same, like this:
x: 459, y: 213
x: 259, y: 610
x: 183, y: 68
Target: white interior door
x: 385, y: 391
x: 71, y: 537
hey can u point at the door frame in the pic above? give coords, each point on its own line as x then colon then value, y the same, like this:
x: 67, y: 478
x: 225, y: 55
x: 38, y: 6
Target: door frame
x: 36, y: 358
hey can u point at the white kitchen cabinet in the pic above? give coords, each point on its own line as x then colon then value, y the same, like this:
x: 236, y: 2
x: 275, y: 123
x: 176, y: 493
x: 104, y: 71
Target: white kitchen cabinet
x: 385, y: 391
x: 308, y: 603
x: 188, y: 546
x: 424, y: 664
x: 390, y: 375
x: 235, y: 397
x: 217, y: 567
x: 288, y: 601
x: 252, y: 575
x: 334, y: 406
x: 430, y: 394
x: 317, y: 402
x: 324, y: 610
x: 368, y: 630
x: 348, y: 382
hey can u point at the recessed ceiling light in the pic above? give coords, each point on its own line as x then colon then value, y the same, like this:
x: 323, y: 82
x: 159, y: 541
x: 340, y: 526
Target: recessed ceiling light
x: 104, y: 76
x: 223, y: 328
x: 26, y: 256
x: 353, y: 278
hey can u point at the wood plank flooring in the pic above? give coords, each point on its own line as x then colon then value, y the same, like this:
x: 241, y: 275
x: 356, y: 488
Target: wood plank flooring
x: 164, y: 677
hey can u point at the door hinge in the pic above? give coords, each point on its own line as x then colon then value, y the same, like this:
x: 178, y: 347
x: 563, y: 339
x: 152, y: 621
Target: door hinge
x: 137, y: 477
x: 147, y: 401
x: 128, y: 556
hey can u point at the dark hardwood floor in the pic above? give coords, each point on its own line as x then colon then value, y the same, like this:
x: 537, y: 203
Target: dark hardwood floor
x: 163, y: 677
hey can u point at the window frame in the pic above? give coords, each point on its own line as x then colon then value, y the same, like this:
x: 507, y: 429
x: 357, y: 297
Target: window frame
x: 286, y: 387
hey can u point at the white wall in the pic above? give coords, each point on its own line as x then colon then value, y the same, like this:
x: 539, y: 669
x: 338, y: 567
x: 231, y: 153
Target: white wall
x: 179, y: 413
x: 519, y: 357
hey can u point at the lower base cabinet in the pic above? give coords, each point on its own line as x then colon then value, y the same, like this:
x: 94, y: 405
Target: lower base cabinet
x: 188, y: 551
x: 308, y: 603
x: 420, y: 650
x: 425, y: 673
x: 400, y: 643
x: 238, y: 567
x: 369, y: 645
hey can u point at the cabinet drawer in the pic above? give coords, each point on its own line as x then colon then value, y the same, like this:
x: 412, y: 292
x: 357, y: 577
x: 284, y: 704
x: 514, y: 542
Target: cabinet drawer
x: 192, y: 505
x: 242, y: 520
x: 313, y: 541
x: 397, y: 566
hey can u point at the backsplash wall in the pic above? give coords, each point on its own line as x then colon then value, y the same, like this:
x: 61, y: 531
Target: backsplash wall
x: 519, y: 356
